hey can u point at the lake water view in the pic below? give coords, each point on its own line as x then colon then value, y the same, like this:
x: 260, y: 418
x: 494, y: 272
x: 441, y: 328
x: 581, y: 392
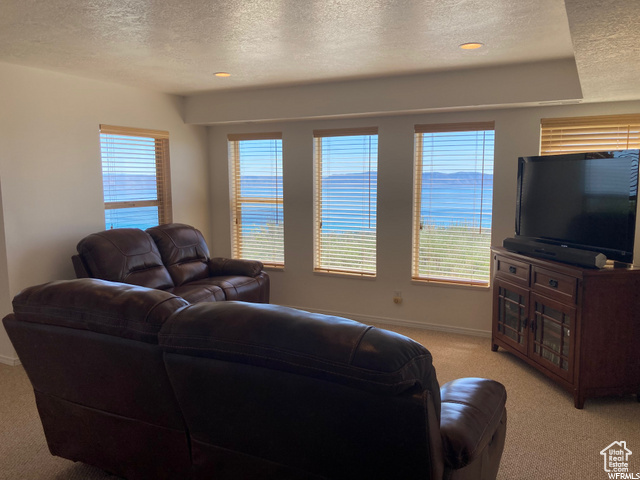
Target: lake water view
x: 454, y: 199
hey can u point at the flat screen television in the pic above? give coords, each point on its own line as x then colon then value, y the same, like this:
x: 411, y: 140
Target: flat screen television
x: 586, y: 201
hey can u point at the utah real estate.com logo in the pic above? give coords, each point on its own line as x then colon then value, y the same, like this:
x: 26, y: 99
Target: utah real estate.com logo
x: 616, y: 461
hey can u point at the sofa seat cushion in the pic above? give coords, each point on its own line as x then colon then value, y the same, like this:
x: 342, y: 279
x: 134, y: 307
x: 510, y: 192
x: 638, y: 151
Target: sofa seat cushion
x: 205, y: 290
x: 127, y: 255
x: 236, y: 287
x: 116, y: 309
x: 321, y: 346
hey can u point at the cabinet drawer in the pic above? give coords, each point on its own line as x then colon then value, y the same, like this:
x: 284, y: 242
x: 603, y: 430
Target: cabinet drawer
x: 513, y: 270
x: 553, y: 284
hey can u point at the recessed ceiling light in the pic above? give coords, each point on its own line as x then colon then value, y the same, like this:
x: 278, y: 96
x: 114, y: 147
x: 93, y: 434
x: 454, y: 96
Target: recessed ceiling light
x: 471, y: 45
x: 222, y: 74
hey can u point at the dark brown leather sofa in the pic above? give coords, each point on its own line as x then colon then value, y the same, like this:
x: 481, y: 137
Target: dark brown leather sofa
x: 172, y: 257
x: 141, y: 383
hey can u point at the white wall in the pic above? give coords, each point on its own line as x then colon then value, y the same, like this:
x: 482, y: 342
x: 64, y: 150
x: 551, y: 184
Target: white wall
x: 51, y: 174
x: 52, y: 195
x: 464, y: 309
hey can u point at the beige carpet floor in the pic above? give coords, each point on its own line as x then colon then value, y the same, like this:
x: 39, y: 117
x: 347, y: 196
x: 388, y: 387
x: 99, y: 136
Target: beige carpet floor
x: 547, y: 439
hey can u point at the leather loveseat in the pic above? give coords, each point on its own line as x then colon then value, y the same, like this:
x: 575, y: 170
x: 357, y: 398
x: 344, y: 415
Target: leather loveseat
x: 172, y: 257
x: 141, y: 383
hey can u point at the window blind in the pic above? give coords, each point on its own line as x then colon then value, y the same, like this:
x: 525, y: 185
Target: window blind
x: 135, y: 177
x: 257, y: 197
x: 453, y: 197
x: 346, y: 178
x: 589, y: 134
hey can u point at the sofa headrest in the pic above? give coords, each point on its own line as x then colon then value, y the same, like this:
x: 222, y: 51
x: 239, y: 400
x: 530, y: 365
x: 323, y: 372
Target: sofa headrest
x: 117, y: 309
x: 321, y: 346
x: 127, y: 255
x: 183, y: 250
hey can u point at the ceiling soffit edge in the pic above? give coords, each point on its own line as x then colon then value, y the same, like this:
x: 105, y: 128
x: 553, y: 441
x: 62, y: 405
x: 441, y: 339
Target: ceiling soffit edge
x: 503, y: 86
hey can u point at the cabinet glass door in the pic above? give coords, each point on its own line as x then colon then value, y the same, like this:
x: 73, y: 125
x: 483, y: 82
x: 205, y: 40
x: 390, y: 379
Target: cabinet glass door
x: 552, y: 336
x: 511, y: 324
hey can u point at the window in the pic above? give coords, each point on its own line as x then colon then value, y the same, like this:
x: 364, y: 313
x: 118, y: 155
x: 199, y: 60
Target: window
x: 346, y: 178
x: 452, y: 203
x: 589, y: 134
x: 135, y: 177
x: 256, y: 197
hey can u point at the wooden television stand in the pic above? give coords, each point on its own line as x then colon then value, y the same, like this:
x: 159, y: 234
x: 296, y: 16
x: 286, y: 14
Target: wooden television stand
x: 578, y: 326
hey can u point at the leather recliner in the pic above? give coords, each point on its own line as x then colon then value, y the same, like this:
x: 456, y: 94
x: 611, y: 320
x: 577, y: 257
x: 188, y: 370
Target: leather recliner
x: 142, y: 384
x: 90, y: 349
x: 172, y: 257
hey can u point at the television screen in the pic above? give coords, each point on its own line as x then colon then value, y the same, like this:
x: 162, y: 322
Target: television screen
x: 585, y: 200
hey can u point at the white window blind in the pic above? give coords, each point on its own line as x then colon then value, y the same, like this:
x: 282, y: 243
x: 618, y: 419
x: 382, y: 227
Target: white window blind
x: 135, y: 177
x: 589, y: 134
x: 257, y: 197
x: 452, y: 202
x: 346, y: 179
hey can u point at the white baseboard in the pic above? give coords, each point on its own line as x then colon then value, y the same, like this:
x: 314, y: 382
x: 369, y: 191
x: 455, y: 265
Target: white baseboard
x: 401, y: 323
x: 13, y: 361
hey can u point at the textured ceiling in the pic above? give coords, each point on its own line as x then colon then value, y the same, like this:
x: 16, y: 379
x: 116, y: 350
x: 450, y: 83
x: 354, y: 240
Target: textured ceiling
x: 606, y: 39
x: 175, y: 46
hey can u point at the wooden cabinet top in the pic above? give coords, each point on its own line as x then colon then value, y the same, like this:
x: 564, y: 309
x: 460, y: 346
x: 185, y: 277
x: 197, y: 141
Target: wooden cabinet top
x: 609, y: 269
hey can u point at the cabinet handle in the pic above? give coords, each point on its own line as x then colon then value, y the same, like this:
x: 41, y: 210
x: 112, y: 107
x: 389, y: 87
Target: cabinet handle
x: 512, y: 269
x: 553, y: 283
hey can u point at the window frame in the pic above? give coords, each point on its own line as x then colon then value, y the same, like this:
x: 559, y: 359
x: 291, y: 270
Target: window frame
x: 163, y: 200
x: 319, y: 264
x: 446, y: 128
x: 237, y: 201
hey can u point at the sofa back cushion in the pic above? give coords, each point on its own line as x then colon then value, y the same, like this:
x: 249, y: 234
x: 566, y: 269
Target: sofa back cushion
x: 183, y: 250
x: 116, y: 309
x: 274, y: 392
x: 127, y: 255
x: 331, y: 348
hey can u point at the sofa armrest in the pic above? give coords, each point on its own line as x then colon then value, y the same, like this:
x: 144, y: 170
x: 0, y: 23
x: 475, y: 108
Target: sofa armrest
x: 472, y: 411
x: 228, y: 266
x: 79, y: 267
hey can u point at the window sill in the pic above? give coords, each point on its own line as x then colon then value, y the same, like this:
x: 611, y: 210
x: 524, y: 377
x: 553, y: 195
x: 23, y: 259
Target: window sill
x: 450, y: 283
x: 274, y: 268
x: 329, y: 273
